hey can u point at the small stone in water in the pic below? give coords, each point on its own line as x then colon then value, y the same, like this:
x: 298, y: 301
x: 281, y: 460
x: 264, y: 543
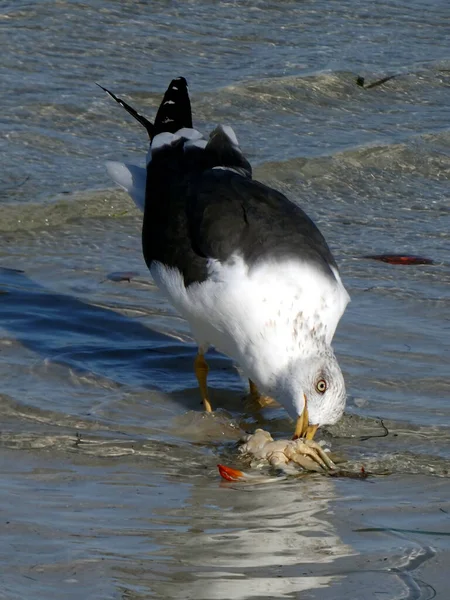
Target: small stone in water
x: 122, y: 275
x: 360, y: 402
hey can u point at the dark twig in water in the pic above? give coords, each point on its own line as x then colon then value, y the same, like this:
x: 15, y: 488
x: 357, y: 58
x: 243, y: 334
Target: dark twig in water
x: 384, y: 434
x: 361, y: 81
x: 20, y: 184
x: 427, y: 586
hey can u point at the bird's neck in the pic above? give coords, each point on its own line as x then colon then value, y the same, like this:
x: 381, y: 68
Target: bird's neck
x: 265, y: 363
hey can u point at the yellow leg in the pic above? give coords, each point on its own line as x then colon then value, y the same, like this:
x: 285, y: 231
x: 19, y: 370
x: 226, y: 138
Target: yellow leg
x: 201, y: 372
x: 257, y: 398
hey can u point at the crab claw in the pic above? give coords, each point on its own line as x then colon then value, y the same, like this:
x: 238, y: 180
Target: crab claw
x: 230, y: 474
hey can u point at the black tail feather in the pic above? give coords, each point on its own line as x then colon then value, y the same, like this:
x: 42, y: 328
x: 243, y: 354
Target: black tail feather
x: 175, y: 109
x: 134, y: 113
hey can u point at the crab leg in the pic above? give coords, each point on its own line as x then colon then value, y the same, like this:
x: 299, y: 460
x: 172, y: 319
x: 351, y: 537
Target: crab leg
x: 300, y: 449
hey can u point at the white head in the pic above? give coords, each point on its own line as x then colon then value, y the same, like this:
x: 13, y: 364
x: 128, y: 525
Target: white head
x: 315, y: 382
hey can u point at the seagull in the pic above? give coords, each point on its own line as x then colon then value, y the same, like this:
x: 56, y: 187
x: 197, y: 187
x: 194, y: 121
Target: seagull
x: 244, y: 265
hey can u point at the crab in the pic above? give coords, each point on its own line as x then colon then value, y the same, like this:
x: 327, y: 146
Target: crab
x: 283, y: 455
x: 308, y: 454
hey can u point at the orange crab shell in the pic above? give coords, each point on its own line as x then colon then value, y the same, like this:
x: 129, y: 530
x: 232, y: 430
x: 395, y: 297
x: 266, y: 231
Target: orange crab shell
x: 230, y: 474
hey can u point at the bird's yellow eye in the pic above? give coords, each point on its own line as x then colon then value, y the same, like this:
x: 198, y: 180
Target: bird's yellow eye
x: 321, y: 386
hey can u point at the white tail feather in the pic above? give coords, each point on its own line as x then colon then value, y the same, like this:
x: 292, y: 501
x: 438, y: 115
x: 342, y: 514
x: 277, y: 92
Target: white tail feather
x: 131, y: 178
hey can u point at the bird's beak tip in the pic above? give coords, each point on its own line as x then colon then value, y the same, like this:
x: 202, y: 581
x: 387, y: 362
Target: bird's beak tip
x: 302, y: 427
x: 311, y: 431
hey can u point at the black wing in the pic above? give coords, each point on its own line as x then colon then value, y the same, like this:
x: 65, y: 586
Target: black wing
x: 229, y: 214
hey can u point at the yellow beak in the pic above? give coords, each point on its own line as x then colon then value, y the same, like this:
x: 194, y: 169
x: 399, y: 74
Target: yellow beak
x: 302, y: 427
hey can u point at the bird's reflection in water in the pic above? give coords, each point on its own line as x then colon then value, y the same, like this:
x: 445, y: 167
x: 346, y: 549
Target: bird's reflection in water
x: 262, y: 541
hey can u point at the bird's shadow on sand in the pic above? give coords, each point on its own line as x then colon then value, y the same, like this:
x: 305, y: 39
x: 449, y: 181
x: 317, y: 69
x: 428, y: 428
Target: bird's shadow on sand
x: 102, y: 342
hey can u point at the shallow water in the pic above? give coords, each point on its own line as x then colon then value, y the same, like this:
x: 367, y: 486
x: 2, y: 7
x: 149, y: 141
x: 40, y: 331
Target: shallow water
x: 109, y: 485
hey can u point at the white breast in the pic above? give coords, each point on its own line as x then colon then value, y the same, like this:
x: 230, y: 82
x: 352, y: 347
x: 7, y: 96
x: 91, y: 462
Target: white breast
x: 261, y: 317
